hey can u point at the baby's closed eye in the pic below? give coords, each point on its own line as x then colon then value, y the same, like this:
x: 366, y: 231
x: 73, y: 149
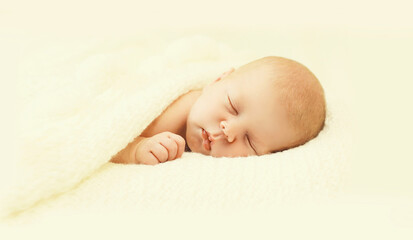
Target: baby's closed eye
x: 232, y: 105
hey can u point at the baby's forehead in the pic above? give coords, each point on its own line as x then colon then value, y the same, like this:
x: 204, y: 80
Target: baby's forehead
x: 252, y: 75
x: 259, y: 91
x: 254, y: 80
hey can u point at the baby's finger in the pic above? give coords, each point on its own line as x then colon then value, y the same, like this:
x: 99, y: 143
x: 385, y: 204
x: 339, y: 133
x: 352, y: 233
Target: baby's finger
x: 150, y: 159
x: 180, y: 141
x: 160, y: 152
x: 170, y: 145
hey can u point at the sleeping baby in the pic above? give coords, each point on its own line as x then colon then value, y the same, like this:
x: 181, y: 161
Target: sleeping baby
x: 268, y: 105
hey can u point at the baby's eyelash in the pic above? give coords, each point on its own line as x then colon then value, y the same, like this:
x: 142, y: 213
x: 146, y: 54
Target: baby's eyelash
x: 230, y: 103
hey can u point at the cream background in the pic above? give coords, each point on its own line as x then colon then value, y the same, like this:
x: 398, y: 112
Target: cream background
x: 373, y: 41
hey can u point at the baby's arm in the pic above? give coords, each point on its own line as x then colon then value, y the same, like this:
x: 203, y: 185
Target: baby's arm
x: 159, y: 148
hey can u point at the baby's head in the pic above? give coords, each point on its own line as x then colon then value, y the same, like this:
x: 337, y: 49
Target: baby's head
x: 268, y: 105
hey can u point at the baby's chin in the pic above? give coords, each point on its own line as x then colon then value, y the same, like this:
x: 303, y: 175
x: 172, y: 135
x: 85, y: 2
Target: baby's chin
x: 196, y: 150
x: 193, y: 147
x: 189, y: 147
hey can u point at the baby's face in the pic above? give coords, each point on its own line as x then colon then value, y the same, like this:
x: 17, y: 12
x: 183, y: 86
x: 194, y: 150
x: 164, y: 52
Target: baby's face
x: 241, y: 117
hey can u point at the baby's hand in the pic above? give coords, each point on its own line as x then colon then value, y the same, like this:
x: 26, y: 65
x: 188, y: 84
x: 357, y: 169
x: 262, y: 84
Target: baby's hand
x: 160, y: 148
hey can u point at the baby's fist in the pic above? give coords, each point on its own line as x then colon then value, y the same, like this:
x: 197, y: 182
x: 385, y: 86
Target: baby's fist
x: 160, y: 148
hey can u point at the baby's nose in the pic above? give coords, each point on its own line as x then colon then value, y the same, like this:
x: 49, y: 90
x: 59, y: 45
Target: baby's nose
x: 221, y: 134
x: 216, y: 136
x: 224, y: 127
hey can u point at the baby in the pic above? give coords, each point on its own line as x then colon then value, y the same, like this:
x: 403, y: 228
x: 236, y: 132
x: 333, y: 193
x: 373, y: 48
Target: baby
x: 269, y: 105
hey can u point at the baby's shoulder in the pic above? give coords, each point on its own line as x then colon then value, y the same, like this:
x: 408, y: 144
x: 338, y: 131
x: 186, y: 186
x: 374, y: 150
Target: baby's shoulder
x: 173, y: 118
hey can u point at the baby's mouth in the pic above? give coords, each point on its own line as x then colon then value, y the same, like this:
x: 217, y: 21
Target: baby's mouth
x: 206, y: 143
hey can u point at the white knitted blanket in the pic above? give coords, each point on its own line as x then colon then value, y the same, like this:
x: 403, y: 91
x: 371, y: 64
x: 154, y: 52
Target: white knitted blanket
x: 84, y: 103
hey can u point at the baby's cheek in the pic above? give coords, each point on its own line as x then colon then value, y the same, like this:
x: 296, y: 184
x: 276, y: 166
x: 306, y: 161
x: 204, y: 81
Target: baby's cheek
x: 228, y: 150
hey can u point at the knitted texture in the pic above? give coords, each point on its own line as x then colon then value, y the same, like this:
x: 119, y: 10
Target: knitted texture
x: 83, y: 105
